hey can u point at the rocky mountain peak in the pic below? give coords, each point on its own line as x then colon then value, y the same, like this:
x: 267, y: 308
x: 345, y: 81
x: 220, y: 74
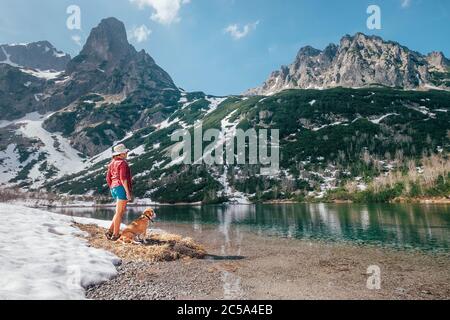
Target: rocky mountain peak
x: 108, y: 41
x: 109, y: 64
x: 358, y: 61
x: 308, y: 51
x: 106, y: 47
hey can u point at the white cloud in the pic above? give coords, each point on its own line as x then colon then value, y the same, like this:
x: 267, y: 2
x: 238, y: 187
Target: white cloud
x: 140, y: 34
x: 164, y: 11
x: 406, y: 3
x: 77, y: 39
x: 238, y: 33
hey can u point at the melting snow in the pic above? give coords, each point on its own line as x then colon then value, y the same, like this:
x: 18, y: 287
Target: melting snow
x: 60, y: 153
x: 66, y: 158
x: 46, y: 74
x: 327, y: 125
x: 167, y: 123
x: 138, y: 151
x: 8, y: 59
x: 378, y: 121
x: 214, y: 104
x: 44, y: 257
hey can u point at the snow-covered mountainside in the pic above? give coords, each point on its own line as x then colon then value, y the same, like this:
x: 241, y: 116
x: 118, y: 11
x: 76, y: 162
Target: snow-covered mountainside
x: 360, y: 61
x: 34, y: 154
x: 44, y: 258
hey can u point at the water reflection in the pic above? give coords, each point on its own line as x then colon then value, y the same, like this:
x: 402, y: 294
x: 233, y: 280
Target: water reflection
x: 232, y: 245
x: 404, y: 226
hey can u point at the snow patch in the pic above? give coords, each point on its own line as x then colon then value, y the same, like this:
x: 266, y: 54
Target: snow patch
x: 328, y: 125
x: 138, y: 151
x: 43, y: 74
x: 59, y: 54
x: 60, y: 153
x: 214, y: 104
x: 378, y: 121
x: 167, y: 123
x: 8, y: 59
x: 45, y: 258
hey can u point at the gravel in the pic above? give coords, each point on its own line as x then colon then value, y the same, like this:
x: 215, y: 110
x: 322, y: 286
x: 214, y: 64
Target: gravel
x: 174, y: 280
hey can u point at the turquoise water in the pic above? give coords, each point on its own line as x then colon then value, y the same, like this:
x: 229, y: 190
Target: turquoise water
x: 423, y: 227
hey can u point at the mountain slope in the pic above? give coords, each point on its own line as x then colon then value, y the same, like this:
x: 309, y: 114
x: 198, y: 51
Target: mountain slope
x: 40, y: 55
x: 328, y: 137
x: 27, y: 71
x: 360, y: 61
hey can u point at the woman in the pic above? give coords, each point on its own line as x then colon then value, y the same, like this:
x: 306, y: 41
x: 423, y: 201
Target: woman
x: 120, y: 183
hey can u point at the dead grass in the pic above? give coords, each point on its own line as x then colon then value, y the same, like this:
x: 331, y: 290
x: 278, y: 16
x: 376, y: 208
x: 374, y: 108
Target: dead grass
x: 158, y: 247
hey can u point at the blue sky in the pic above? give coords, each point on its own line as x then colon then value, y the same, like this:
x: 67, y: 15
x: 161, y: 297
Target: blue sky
x: 227, y: 46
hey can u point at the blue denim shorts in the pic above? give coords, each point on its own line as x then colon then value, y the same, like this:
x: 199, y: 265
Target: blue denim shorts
x: 119, y: 193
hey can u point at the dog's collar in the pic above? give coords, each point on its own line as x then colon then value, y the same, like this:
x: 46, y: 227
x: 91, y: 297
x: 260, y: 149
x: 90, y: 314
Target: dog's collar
x: 150, y: 219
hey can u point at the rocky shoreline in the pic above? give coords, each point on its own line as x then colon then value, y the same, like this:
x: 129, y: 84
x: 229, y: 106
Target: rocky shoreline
x: 142, y: 280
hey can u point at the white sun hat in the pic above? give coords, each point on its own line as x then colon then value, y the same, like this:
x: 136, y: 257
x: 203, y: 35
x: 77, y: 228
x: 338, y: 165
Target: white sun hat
x: 120, y: 149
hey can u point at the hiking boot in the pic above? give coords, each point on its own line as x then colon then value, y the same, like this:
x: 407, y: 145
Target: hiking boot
x: 109, y: 235
x: 115, y: 238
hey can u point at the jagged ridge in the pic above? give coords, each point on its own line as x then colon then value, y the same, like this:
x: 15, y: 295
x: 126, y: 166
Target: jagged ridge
x: 360, y: 61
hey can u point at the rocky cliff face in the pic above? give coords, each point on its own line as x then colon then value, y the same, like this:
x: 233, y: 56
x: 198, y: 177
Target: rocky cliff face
x: 359, y: 61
